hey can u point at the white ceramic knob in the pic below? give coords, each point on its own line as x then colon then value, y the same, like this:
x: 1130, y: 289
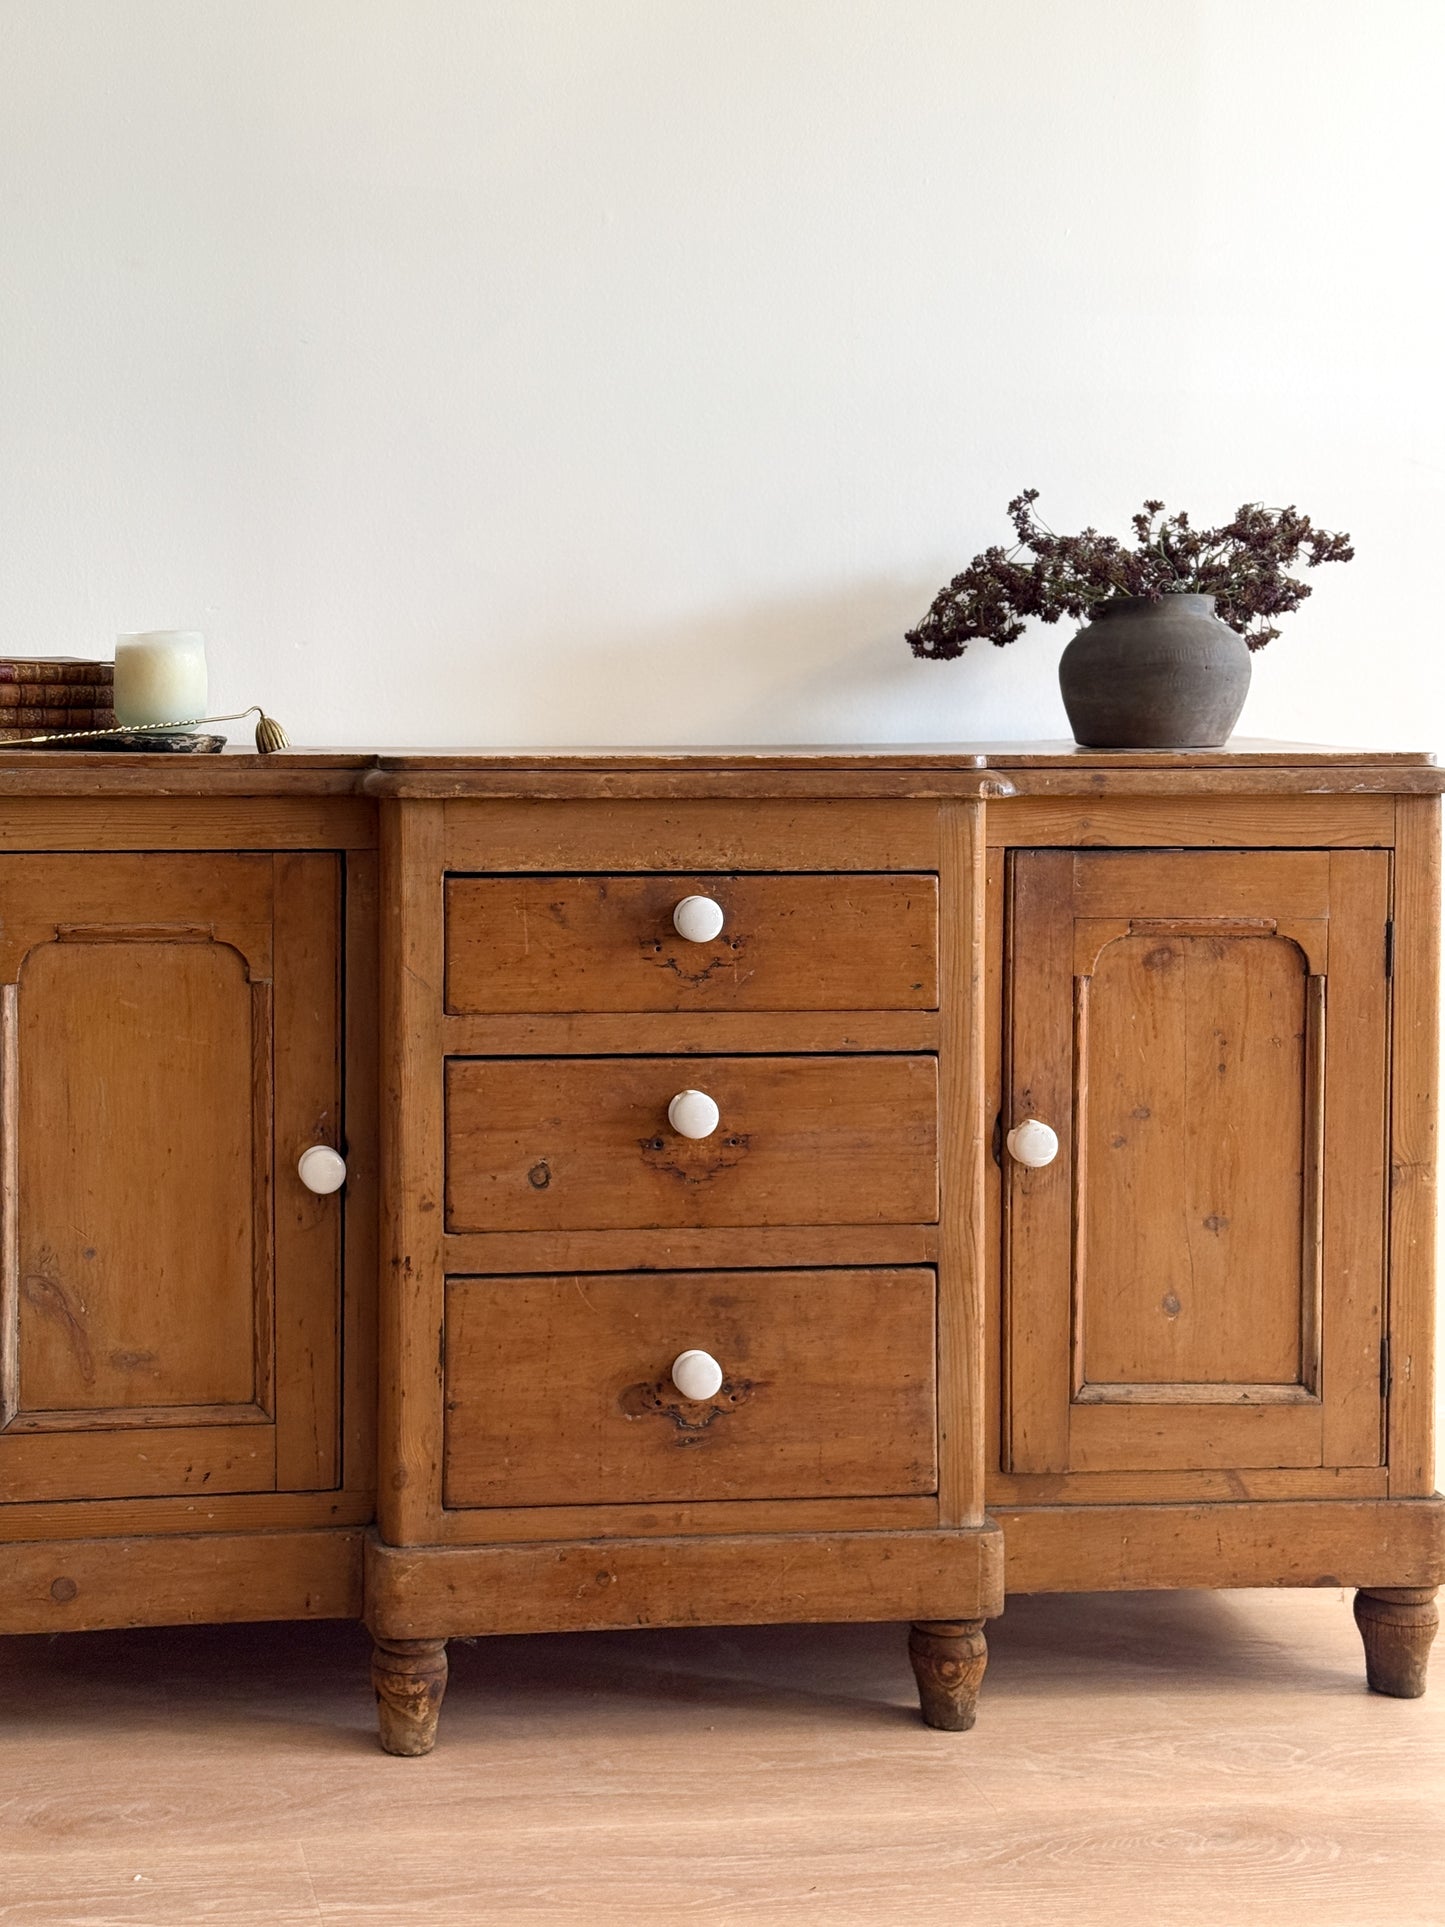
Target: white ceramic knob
x: 693, y: 1114
x: 697, y: 1374
x: 1033, y: 1143
x: 698, y: 919
x: 321, y: 1169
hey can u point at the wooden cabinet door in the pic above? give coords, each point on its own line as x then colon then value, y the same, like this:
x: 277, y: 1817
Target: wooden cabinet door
x: 1197, y: 1280
x: 169, y: 1291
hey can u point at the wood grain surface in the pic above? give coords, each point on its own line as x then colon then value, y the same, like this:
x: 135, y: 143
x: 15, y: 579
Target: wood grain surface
x: 56, y: 1586
x: 1174, y: 1190
x: 426, y: 1592
x: 1415, y: 1122
x: 963, y: 1365
x: 135, y: 1085
x: 1167, y: 1759
x: 690, y: 832
x: 1197, y: 1281
x: 689, y: 1247
x: 1237, y: 1542
x: 708, y: 1033
x: 171, y: 1294
x: 607, y: 943
x: 1240, y: 752
x: 585, y: 1143
x: 558, y: 1390
x: 1241, y: 822
x: 413, y: 1148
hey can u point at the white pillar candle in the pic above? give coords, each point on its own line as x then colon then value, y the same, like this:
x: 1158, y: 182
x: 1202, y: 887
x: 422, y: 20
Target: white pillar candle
x: 160, y: 677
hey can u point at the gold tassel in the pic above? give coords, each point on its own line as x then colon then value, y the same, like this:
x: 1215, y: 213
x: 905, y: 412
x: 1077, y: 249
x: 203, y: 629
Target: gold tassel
x: 269, y: 734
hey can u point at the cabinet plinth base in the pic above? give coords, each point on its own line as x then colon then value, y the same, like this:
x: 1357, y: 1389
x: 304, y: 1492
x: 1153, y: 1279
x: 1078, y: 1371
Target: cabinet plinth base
x: 1397, y: 1624
x: 179, y: 1579
x: 949, y: 1657
x: 1225, y: 1542
x: 410, y: 1678
x: 755, y: 1579
x: 417, y: 1597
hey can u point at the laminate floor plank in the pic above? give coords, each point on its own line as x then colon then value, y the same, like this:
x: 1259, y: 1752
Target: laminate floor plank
x: 168, y: 1886
x: 1145, y: 1758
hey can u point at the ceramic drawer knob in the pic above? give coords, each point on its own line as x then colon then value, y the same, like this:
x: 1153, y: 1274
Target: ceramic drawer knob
x: 693, y: 1114
x: 697, y: 1374
x: 322, y: 1170
x: 1033, y: 1143
x: 698, y: 919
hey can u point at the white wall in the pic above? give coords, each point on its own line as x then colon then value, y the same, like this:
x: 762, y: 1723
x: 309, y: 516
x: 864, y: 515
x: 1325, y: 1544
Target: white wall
x: 505, y: 371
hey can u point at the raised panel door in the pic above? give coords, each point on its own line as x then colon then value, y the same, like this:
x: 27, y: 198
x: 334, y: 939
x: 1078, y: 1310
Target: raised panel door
x: 169, y: 1291
x: 1196, y: 1280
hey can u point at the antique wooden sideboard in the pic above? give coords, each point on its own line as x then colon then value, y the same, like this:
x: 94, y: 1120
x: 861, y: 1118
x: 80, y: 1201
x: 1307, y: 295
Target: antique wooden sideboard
x: 516, y: 1192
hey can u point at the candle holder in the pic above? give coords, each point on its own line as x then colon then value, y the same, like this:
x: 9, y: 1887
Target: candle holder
x: 160, y: 677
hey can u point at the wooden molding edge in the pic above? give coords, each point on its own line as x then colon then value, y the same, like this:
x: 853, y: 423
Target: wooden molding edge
x: 83, y: 1585
x: 479, y: 779
x: 1127, y: 1548
x: 429, y: 1592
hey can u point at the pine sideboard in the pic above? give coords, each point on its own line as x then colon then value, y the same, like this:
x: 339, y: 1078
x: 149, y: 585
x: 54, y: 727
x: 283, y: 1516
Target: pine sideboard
x: 519, y: 1192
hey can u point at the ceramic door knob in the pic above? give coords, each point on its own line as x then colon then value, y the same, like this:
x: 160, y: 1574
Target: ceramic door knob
x: 1033, y: 1143
x: 693, y: 1114
x: 698, y: 919
x: 697, y: 1374
x: 321, y: 1169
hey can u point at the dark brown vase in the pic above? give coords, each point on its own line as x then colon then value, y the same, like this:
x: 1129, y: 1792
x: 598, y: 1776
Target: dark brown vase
x: 1155, y: 675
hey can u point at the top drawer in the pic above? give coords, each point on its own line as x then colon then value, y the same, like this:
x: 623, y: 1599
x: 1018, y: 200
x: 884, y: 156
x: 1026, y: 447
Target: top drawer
x: 609, y: 943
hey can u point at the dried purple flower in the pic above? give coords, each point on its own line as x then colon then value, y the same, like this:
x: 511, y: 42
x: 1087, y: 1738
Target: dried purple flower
x: 1243, y: 565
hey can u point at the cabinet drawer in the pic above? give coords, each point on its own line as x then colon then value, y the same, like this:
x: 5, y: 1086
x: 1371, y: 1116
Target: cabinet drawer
x: 608, y: 943
x: 584, y: 1143
x: 559, y: 1390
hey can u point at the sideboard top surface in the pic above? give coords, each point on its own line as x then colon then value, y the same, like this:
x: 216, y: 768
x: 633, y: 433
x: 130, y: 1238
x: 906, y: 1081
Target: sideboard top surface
x: 1240, y: 752
x: 992, y: 770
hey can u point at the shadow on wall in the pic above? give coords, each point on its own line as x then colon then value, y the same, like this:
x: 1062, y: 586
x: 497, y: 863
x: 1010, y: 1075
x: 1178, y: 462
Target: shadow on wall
x: 806, y: 669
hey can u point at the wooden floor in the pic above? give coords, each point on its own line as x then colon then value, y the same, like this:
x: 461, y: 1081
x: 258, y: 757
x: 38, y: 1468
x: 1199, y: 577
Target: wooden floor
x: 1146, y: 1758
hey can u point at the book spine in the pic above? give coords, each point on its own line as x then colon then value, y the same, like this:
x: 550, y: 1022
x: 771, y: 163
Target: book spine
x: 32, y: 722
x: 53, y: 695
x: 29, y: 669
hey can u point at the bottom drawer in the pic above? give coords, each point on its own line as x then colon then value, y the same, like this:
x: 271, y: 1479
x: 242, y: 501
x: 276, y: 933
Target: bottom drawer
x: 559, y: 1390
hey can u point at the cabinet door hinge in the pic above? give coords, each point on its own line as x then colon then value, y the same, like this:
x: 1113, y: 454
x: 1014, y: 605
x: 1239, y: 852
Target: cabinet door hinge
x: 1385, y: 1376
x: 1390, y: 948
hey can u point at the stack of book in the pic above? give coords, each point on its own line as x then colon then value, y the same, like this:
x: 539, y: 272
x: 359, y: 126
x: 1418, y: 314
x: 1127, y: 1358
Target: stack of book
x: 43, y: 694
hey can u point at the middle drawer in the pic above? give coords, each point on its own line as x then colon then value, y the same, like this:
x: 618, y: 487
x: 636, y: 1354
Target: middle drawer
x: 585, y: 1143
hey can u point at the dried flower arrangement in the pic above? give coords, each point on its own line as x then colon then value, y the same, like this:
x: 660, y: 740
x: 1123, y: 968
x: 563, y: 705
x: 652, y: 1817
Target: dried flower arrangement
x: 1243, y: 565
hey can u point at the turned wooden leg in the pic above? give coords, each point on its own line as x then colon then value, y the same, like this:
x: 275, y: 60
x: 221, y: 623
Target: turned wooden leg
x: 948, y: 1657
x: 410, y: 1676
x: 1397, y: 1624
